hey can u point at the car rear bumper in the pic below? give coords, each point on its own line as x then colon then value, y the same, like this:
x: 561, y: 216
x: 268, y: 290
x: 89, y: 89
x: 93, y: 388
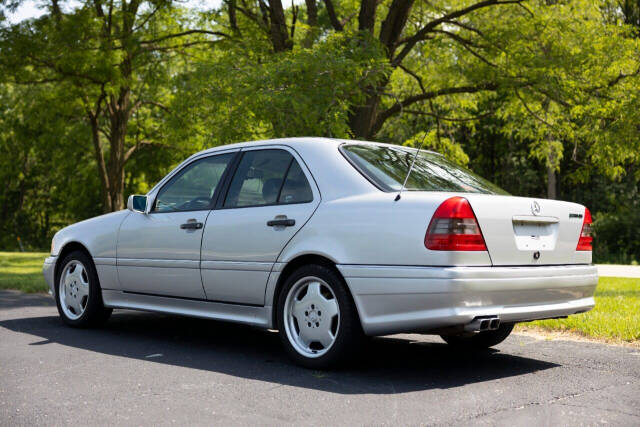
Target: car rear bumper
x: 394, y: 299
x: 48, y: 269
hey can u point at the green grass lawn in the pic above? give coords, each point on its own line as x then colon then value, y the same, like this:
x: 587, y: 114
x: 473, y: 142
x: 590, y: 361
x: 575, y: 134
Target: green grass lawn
x: 22, y: 271
x: 616, y: 316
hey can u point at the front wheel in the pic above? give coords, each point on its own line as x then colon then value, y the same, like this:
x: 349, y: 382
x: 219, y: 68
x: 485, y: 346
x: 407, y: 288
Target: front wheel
x: 480, y: 340
x: 317, y: 320
x: 78, y: 294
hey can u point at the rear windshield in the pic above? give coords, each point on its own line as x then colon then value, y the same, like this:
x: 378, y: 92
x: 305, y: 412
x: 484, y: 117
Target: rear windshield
x: 387, y: 167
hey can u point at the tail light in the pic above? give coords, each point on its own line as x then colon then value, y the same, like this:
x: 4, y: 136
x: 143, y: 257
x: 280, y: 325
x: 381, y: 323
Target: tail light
x: 454, y: 227
x: 586, y: 240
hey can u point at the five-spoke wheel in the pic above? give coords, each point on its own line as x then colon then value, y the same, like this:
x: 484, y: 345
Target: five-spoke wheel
x: 78, y: 294
x: 312, y: 316
x: 317, y: 319
x: 74, y: 289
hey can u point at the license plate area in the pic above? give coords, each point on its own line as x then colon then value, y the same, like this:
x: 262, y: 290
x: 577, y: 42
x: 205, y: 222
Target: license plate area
x: 535, y: 233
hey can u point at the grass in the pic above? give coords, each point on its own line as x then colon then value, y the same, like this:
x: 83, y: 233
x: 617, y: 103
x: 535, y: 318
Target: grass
x: 22, y: 271
x: 616, y: 316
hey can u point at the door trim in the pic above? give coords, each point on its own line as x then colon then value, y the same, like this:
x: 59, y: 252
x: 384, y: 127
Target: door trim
x: 158, y: 263
x: 236, y: 265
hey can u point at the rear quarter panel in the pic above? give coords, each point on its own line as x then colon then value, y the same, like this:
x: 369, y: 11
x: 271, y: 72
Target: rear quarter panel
x: 374, y: 229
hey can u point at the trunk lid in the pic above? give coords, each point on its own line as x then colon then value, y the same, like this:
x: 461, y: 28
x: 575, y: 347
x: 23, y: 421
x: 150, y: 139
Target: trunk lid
x: 527, y: 231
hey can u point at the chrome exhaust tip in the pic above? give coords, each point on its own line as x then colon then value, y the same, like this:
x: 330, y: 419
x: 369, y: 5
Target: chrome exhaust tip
x: 483, y: 323
x: 494, y: 324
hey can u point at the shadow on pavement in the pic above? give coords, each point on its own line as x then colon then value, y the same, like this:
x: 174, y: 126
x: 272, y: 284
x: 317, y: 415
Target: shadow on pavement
x: 17, y: 299
x: 387, y: 365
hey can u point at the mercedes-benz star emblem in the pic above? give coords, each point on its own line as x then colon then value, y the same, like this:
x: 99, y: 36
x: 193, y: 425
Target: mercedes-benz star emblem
x: 535, y: 208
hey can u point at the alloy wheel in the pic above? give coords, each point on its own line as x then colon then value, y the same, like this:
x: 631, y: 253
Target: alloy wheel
x: 312, y: 317
x: 74, y: 289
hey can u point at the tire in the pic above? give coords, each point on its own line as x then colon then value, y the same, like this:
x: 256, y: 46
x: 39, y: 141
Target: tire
x: 481, y: 340
x: 308, y: 341
x: 78, y: 293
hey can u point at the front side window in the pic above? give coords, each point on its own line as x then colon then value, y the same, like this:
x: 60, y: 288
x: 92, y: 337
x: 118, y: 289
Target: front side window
x: 387, y: 167
x: 267, y: 177
x: 194, y: 186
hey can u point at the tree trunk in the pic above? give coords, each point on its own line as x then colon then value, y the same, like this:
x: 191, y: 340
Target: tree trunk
x: 119, y: 121
x: 102, y: 167
x: 278, y: 27
x: 363, y: 117
x: 551, y: 183
x: 312, y: 21
x: 362, y: 120
x: 233, y: 21
x: 367, y: 15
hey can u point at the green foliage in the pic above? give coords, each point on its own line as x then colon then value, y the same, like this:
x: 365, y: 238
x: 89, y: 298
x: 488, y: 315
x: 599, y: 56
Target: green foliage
x: 101, y: 99
x: 39, y: 159
x: 445, y: 146
x: 236, y: 96
x: 616, y: 236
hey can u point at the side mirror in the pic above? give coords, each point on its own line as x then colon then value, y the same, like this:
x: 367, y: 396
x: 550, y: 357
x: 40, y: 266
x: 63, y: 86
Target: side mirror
x: 137, y: 203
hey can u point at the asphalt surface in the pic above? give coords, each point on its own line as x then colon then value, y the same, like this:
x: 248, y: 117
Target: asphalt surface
x: 144, y: 368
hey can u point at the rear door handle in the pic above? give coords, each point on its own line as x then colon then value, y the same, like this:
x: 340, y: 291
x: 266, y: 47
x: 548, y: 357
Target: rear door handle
x: 191, y: 224
x: 284, y: 222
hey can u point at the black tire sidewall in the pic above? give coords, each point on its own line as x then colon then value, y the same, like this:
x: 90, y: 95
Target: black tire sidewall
x: 349, y: 332
x: 94, y: 312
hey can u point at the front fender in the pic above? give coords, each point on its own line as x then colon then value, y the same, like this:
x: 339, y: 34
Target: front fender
x: 99, y: 235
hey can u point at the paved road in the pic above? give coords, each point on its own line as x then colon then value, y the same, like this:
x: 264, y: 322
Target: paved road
x: 152, y: 369
x: 614, y: 270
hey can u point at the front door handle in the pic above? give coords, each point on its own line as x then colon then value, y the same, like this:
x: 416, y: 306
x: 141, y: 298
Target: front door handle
x: 281, y: 222
x: 191, y: 224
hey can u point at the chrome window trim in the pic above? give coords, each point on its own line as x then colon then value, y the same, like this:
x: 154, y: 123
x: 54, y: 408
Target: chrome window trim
x: 151, y: 195
x: 303, y: 166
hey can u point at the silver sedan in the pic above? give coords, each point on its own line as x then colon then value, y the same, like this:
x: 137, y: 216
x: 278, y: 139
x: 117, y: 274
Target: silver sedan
x: 329, y: 241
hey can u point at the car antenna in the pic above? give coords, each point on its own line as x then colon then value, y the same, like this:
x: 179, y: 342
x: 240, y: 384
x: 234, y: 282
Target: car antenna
x: 410, y: 168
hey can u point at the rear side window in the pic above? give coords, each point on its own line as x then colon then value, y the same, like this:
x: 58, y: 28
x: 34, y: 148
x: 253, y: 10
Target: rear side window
x: 267, y: 177
x: 296, y: 188
x: 387, y: 167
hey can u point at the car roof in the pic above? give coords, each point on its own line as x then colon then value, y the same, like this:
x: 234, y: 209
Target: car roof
x: 335, y: 176
x: 296, y: 142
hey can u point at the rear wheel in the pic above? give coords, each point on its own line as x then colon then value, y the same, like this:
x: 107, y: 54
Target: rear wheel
x: 78, y: 294
x: 480, y: 340
x: 317, y: 320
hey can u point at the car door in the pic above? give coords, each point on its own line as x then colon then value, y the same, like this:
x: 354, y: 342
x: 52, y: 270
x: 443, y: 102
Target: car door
x: 159, y: 252
x: 269, y: 198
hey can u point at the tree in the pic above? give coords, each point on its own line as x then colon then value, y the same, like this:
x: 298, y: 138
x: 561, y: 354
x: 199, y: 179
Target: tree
x: 114, y: 59
x: 400, y: 27
x: 46, y: 183
x: 556, y: 67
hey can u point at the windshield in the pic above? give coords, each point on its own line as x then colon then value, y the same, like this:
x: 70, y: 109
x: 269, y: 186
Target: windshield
x: 387, y: 167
